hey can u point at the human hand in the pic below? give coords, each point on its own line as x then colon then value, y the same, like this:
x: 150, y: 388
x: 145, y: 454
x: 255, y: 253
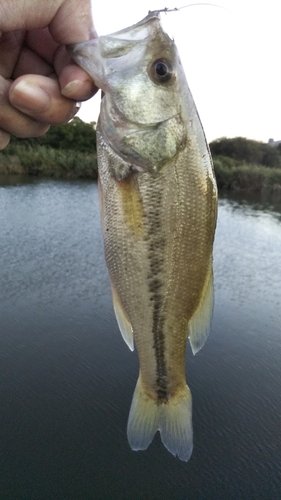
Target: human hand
x: 39, y: 83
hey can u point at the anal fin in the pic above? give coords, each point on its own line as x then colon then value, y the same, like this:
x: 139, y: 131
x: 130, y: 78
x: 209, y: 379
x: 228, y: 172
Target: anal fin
x: 199, y: 325
x: 122, y: 320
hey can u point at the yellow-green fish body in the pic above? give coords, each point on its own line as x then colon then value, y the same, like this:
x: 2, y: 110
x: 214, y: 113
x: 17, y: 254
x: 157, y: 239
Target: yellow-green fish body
x: 158, y: 206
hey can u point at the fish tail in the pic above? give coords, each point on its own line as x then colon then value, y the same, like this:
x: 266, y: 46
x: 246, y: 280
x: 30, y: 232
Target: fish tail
x: 172, y: 418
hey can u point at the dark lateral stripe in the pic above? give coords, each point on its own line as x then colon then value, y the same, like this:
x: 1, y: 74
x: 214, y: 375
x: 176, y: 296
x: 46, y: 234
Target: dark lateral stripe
x: 156, y: 244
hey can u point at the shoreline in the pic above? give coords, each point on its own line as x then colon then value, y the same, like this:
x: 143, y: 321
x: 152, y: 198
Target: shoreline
x: 44, y: 161
x: 246, y: 177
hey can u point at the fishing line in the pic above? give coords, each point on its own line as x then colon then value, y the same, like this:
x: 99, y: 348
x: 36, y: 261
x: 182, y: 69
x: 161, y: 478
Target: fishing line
x: 176, y: 9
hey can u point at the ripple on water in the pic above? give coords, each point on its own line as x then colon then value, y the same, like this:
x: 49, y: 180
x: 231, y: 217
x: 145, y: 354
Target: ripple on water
x: 67, y: 378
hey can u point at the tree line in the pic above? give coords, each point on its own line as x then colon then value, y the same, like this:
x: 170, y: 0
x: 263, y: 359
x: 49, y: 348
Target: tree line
x: 65, y: 151
x: 74, y: 135
x: 69, y: 151
x: 80, y: 136
x: 245, y: 150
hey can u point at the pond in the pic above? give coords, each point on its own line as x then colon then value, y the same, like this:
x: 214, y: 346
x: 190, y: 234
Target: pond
x: 67, y: 377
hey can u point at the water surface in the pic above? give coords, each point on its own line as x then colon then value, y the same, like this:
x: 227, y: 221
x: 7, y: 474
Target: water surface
x: 67, y: 377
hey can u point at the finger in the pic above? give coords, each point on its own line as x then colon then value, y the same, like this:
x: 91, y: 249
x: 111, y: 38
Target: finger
x: 29, y: 62
x: 4, y: 139
x: 12, y: 121
x: 74, y: 82
x: 10, y: 46
x: 70, y: 21
x: 40, y: 98
x: 42, y: 43
x: 73, y: 22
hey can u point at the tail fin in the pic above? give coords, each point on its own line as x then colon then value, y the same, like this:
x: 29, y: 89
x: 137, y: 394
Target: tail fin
x: 173, y: 419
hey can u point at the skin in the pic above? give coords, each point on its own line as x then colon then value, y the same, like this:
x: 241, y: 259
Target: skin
x: 39, y: 83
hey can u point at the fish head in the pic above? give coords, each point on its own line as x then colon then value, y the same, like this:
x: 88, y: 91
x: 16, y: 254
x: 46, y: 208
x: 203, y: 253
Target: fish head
x: 140, y: 73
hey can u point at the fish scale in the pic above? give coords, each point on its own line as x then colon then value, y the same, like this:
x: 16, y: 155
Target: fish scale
x: 158, y: 201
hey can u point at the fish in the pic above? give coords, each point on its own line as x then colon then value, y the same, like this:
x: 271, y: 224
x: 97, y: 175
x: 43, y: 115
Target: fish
x: 158, y: 204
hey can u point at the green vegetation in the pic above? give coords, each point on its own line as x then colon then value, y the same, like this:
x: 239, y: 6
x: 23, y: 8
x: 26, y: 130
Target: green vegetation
x: 46, y: 161
x: 243, y: 164
x: 248, y: 151
x: 69, y: 151
x: 246, y: 176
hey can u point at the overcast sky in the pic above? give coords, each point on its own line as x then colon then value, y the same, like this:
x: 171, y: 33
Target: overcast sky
x: 231, y: 60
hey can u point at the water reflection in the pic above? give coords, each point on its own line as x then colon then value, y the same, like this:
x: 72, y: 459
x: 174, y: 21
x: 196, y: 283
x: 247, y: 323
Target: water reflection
x: 260, y: 202
x: 67, y: 378
x: 247, y: 252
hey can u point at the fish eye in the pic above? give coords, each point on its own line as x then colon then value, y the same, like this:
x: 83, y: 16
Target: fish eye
x: 161, y: 71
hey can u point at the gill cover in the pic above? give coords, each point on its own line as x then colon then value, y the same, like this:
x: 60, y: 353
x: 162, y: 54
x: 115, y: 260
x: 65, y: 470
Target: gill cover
x: 139, y: 71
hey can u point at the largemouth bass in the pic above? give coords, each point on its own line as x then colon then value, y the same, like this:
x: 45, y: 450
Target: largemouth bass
x: 158, y: 202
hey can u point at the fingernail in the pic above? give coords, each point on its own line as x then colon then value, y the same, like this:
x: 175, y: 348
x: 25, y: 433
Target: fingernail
x: 29, y: 97
x: 78, y: 90
x: 71, y: 87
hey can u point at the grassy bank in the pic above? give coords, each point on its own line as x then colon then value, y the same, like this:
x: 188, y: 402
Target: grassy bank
x: 48, y: 162
x: 237, y: 176
x: 45, y: 161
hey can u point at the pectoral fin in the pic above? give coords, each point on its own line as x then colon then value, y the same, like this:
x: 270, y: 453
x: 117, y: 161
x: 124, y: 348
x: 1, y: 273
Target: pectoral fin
x: 199, y: 325
x: 122, y: 320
